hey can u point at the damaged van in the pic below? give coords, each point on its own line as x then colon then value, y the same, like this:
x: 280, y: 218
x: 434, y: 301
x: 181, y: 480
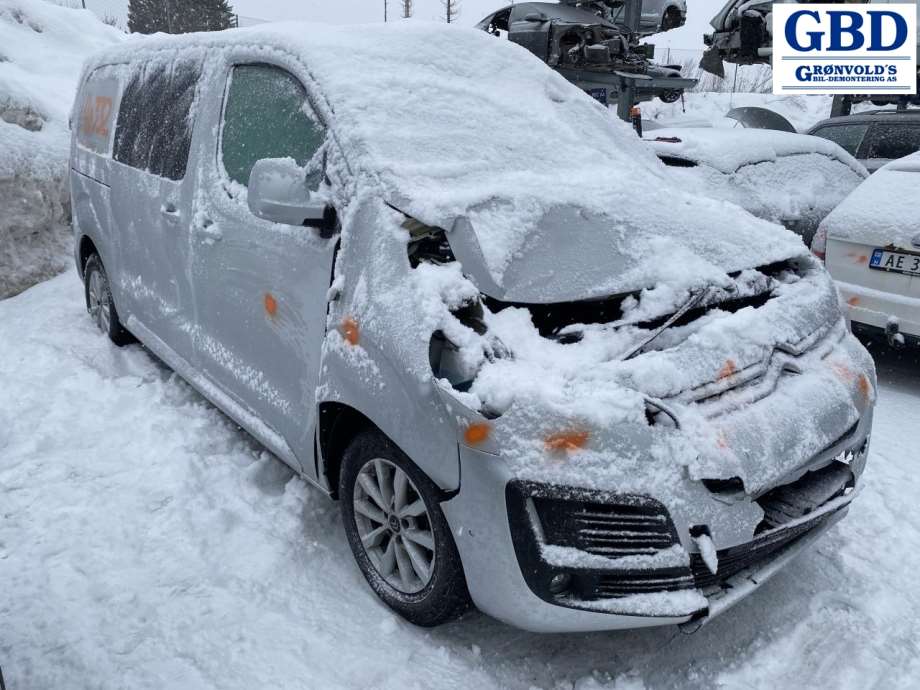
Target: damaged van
x: 531, y: 385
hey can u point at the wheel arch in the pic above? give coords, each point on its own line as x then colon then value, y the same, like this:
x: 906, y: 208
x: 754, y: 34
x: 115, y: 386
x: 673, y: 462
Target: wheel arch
x: 338, y: 425
x: 86, y: 249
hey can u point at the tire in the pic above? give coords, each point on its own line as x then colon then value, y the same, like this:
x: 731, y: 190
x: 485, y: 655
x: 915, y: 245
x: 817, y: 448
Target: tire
x: 392, y: 561
x: 99, y: 302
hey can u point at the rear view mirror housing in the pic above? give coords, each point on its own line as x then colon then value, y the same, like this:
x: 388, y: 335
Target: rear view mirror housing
x: 278, y: 193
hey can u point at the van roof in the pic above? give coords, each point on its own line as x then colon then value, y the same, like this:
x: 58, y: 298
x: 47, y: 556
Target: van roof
x: 451, y: 122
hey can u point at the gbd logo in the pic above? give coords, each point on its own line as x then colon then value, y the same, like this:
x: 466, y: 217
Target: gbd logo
x: 849, y: 49
x: 846, y: 30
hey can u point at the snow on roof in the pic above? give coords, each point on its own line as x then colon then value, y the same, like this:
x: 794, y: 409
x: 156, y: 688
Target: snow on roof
x: 447, y: 121
x: 883, y: 209
x: 727, y: 150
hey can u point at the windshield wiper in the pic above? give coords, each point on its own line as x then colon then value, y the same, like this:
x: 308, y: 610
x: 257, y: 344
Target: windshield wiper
x: 693, y: 301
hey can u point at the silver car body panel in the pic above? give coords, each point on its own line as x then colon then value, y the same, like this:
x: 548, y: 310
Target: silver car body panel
x: 271, y: 323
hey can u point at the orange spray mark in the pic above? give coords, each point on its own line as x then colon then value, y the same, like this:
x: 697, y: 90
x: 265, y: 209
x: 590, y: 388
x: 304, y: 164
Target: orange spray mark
x: 853, y: 301
x: 862, y: 259
x: 728, y: 369
x: 476, y: 433
x: 350, y: 331
x: 567, y: 440
x: 865, y: 388
x: 270, y: 303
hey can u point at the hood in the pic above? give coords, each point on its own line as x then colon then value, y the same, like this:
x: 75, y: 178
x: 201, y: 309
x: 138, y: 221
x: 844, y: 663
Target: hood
x: 565, y: 253
x: 727, y: 150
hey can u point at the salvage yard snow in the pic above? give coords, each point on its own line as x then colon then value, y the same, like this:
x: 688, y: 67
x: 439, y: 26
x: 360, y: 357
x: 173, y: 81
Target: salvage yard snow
x: 145, y: 542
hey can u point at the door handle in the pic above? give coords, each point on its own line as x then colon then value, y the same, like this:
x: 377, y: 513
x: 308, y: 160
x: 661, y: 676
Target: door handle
x: 169, y: 209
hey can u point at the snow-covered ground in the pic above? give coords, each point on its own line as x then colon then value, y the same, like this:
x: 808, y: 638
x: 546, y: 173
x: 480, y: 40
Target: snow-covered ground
x: 146, y: 542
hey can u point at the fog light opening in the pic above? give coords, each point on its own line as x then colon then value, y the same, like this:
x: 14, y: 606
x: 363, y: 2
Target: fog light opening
x: 560, y: 583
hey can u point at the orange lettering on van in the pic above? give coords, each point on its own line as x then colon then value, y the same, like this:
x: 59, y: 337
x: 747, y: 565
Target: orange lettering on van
x: 103, y: 111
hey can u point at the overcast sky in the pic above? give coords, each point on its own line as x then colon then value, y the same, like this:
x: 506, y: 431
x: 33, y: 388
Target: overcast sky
x: 471, y: 11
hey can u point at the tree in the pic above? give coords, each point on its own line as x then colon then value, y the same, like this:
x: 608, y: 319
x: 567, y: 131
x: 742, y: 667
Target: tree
x: 451, y: 9
x: 178, y: 16
x: 407, y: 8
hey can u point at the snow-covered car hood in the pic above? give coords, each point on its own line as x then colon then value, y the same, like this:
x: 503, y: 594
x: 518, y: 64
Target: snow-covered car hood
x: 883, y: 209
x: 566, y: 253
x: 726, y: 150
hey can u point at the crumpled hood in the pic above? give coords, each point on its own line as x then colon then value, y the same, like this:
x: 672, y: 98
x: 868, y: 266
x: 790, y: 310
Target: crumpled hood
x: 531, y: 252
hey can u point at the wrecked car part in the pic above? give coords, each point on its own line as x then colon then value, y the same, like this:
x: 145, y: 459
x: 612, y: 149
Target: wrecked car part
x: 592, y: 52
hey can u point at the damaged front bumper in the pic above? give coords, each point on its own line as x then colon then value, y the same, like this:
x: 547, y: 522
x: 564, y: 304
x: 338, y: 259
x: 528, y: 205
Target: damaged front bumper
x: 552, y: 558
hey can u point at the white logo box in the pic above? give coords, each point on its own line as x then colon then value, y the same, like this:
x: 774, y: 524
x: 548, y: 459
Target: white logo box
x: 810, y: 64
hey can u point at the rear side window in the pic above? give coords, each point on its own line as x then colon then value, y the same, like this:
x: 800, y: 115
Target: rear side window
x: 267, y: 116
x: 96, y: 115
x: 154, y: 129
x: 893, y: 140
x: 848, y: 137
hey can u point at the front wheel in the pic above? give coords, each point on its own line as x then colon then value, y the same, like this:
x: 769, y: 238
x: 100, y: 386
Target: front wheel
x: 99, y: 302
x: 398, y: 534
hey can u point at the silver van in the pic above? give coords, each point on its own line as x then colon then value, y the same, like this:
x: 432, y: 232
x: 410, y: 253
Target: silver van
x: 438, y: 281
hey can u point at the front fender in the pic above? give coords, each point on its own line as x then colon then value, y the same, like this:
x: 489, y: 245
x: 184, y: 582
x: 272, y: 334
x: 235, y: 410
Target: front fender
x: 412, y: 416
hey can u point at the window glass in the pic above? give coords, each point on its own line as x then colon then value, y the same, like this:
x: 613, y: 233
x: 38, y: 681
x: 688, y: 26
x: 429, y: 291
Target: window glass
x: 267, y: 116
x: 848, y: 137
x: 893, y: 140
x: 96, y: 116
x: 154, y: 130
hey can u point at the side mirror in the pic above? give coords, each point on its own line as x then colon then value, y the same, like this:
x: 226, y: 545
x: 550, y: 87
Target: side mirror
x: 278, y: 193
x: 535, y: 17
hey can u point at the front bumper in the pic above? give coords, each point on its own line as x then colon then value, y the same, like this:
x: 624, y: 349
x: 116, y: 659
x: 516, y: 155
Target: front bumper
x: 508, y: 573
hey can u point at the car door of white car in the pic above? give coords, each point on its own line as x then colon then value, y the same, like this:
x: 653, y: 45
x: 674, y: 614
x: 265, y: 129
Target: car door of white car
x: 261, y: 288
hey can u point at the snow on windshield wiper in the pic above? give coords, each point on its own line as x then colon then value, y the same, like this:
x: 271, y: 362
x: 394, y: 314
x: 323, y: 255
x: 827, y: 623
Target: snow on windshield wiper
x: 695, y: 299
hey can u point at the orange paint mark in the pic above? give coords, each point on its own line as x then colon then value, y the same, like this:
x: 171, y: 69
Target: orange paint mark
x: 865, y: 388
x: 853, y: 301
x: 567, y: 440
x: 862, y: 259
x: 476, y: 433
x: 728, y: 369
x: 722, y: 440
x: 843, y: 372
x: 350, y: 331
x: 270, y: 303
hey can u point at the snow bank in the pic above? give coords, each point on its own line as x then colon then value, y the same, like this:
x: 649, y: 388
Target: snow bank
x: 42, y: 49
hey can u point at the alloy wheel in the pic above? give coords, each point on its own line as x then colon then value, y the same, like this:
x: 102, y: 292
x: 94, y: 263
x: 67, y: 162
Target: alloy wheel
x: 99, y: 301
x: 394, y: 526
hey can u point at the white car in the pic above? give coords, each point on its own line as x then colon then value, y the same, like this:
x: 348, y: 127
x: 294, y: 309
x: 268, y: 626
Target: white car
x: 871, y: 245
x: 787, y: 178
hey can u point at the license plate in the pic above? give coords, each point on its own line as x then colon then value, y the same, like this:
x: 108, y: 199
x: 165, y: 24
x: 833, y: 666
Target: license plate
x: 896, y: 262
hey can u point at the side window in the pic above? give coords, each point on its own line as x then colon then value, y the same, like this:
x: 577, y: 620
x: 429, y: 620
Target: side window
x: 96, y: 115
x: 154, y: 129
x: 266, y: 115
x: 892, y: 140
x: 848, y: 137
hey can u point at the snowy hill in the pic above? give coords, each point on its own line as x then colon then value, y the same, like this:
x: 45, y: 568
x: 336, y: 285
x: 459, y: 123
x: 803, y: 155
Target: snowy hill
x: 42, y: 48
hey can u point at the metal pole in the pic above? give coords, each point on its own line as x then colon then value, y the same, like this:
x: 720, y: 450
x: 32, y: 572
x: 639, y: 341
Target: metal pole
x: 626, y: 98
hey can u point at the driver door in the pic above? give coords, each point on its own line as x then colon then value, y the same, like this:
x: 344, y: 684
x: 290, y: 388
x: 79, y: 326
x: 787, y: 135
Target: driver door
x: 260, y: 287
